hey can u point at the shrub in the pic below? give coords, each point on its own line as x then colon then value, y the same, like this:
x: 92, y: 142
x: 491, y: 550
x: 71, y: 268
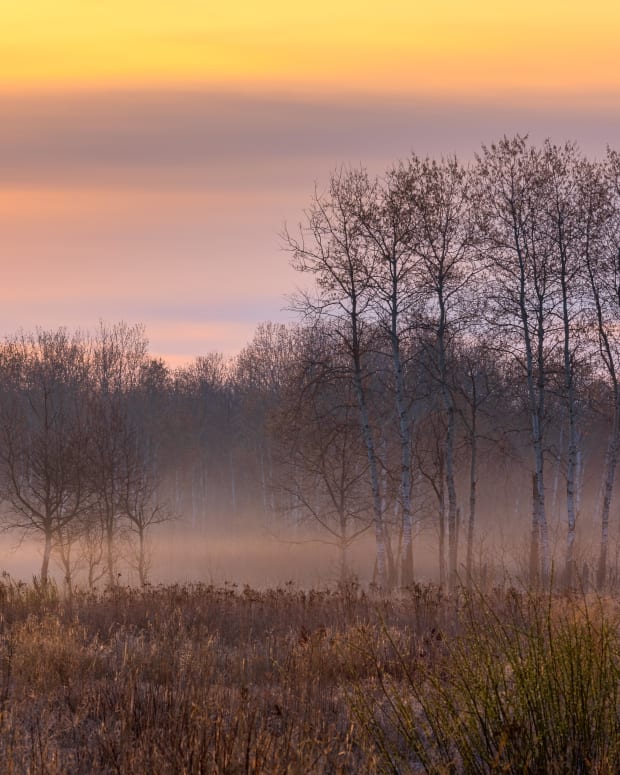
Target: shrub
x: 530, y: 684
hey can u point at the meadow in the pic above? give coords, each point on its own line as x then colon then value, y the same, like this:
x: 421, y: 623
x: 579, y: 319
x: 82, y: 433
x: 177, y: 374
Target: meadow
x: 225, y: 679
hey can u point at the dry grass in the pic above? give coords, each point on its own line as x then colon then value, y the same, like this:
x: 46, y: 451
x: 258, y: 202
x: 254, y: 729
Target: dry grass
x: 204, y: 679
x: 187, y: 679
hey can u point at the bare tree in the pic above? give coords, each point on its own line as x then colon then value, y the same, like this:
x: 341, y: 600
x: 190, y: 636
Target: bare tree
x: 446, y: 242
x: 385, y: 214
x: 201, y: 439
x: 119, y: 354
x: 600, y: 215
x: 43, y: 437
x: 564, y: 224
x: 259, y: 375
x: 331, y: 247
x: 477, y: 385
x: 521, y: 287
x: 140, y: 505
x: 320, y: 463
x: 429, y: 453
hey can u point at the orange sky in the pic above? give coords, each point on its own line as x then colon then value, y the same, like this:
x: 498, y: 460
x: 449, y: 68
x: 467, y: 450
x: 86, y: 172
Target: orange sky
x: 462, y: 46
x: 150, y: 151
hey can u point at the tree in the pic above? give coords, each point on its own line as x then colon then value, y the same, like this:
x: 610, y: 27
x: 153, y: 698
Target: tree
x: 331, y: 247
x: 445, y: 241
x: 44, y: 438
x: 521, y: 286
x: 321, y: 466
x: 200, y: 440
x: 430, y: 455
x: 260, y: 373
x: 139, y: 503
x: 118, y: 358
x: 600, y: 215
x: 477, y: 383
x: 564, y: 224
x: 388, y: 227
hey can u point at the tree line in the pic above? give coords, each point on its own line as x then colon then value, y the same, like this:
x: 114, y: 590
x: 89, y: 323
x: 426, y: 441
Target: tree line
x: 100, y: 443
x: 454, y: 371
x: 466, y: 302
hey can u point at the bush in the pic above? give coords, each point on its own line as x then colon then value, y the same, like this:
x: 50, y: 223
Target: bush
x: 530, y: 684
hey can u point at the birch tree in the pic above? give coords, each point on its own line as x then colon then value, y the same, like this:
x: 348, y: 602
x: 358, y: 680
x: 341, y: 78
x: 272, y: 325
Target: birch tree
x: 521, y: 287
x: 445, y: 241
x: 600, y: 214
x: 564, y: 224
x: 477, y: 384
x: 386, y: 218
x: 331, y: 248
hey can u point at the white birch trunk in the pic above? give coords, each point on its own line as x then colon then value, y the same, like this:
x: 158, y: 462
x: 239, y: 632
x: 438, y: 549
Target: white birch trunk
x: 571, y: 465
x: 473, y: 449
x: 449, y: 448
x: 374, y: 479
x: 609, y: 475
x: 406, y: 559
x: 47, y: 553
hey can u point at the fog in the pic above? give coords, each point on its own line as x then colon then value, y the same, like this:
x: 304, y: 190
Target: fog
x: 445, y: 407
x: 267, y: 556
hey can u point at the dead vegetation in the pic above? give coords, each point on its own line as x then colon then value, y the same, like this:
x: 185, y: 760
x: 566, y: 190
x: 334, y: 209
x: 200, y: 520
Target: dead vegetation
x: 205, y: 679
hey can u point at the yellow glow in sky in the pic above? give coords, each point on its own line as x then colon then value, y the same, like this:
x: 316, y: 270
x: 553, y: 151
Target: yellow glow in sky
x: 448, y: 46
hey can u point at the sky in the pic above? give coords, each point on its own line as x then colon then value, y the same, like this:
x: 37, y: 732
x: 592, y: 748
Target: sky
x: 151, y: 152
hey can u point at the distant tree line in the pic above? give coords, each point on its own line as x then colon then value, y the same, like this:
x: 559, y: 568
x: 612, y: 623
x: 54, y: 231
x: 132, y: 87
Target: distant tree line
x: 454, y: 369
x: 100, y: 443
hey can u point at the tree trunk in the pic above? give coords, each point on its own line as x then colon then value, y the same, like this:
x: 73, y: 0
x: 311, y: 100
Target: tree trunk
x: 452, y: 507
x: 556, y: 474
x: 448, y: 404
x: 142, y: 569
x: 47, y: 553
x: 91, y: 574
x: 442, y: 528
x: 540, y: 516
x: 608, y: 486
x: 569, y: 570
x: 344, y: 560
x: 539, y: 548
x: 534, y: 539
x: 65, y: 557
x: 374, y: 476
x: 473, y: 449
x: 109, y: 539
x: 406, y: 558
x: 390, y: 561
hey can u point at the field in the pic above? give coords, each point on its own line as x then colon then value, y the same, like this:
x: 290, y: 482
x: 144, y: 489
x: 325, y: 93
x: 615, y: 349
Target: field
x: 208, y: 679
